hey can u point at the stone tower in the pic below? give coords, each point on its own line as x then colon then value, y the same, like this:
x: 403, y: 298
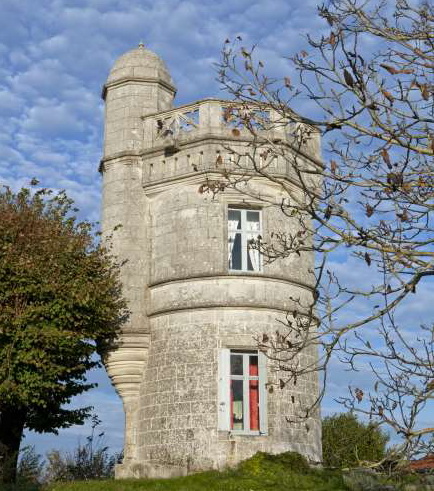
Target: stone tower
x: 196, y: 390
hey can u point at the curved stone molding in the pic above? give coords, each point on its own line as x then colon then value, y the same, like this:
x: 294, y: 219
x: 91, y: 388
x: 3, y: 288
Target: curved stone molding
x: 125, y: 364
x: 238, y: 292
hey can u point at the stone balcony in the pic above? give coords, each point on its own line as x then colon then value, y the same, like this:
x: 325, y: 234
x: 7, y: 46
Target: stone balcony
x: 208, y: 118
x: 235, y: 136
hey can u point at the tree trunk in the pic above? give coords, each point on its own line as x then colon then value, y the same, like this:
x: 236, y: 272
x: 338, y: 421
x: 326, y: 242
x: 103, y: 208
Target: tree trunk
x: 11, y: 431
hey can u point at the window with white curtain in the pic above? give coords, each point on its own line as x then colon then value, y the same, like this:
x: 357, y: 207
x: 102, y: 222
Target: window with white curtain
x: 244, y: 228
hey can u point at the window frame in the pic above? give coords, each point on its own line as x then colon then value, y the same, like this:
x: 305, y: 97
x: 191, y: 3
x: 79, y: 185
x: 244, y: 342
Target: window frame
x: 245, y: 234
x: 225, y: 379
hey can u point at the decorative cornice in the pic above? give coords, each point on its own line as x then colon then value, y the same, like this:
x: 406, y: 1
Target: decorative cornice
x: 210, y: 138
x: 128, y: 80
x: 124, y: 158
x: 241, y: 306
x: 162, y: 185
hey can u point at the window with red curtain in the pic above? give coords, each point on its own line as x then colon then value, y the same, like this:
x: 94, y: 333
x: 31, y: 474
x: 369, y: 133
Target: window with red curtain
x: 244, y: 391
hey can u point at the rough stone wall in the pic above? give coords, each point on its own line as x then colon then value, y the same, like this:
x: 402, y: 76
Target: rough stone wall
x: 179, y: 396
x: 126, y: 103
x: 185, y: 231
x: 125, y: 220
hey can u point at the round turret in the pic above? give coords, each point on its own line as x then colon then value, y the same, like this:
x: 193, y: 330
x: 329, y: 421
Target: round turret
x: 138, y: 84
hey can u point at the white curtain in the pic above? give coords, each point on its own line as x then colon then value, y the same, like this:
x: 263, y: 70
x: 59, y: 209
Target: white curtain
x: 232, y: 232
x: 254, y: 255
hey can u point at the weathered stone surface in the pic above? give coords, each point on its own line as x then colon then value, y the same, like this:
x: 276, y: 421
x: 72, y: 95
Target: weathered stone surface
x: 185, y: 304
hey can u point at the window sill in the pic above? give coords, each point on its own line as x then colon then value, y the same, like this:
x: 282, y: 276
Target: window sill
x: 247, y: 433
x: 242, y: 271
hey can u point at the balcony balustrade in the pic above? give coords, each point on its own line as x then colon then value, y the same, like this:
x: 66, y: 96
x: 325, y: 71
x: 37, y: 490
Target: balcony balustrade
x: 236, y: 136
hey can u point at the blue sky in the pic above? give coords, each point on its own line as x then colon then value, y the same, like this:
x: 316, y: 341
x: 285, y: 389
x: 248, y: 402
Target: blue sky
x: 56, y: 54
x: 54, y: 58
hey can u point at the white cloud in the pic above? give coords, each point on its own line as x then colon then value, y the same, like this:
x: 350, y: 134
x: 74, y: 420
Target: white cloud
x: 51, y: 120
x: 42, y: 78
x: 10, y: 103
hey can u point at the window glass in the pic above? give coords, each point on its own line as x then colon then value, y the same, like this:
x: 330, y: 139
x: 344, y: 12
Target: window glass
x: 237, y: 405
x: 236, y: 256
x: 253, y: 365
x: 244, y: 229
x: 253, y: 256
x: 245, y: 392
x: 254, y: 393
x: 234, y: 217
x: 253, y: 221
x: 254, y: 404
x: 249, y: 259
x: 236, y: 364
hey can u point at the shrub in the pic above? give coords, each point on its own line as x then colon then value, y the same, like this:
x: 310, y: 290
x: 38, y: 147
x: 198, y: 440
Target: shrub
x: 262, y: 462
x: 89, y: 461
x: 30, y: 467
x: 347, y: 442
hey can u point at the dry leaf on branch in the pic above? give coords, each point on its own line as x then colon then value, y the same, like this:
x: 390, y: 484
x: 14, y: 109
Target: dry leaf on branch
x: 385, y: 154
x: 332, y: 38
x: 424, y: 91
x: 348, y: 78
x: 245, y: 53
x: 333, y: 166
x: 369, y: 210
x: 388, y: 96
x: 367, y: 258
x: 391, y: 69
x: 395, y: 71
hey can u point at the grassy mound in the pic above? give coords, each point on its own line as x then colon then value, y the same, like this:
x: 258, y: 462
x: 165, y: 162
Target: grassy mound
x: 262, y: 472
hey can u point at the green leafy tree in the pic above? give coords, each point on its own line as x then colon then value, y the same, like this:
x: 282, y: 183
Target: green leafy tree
x: 60, y: 305
x: 347, y: 442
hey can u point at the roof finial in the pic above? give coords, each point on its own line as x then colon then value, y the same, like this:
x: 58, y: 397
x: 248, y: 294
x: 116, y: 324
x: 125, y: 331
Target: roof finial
x: 141, y: 44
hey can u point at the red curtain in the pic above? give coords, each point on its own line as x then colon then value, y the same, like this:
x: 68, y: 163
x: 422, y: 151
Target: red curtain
x: 254, y: 397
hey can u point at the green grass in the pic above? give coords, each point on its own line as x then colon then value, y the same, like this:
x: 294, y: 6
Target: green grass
x: 284, y: 472
x: 262, y: 472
